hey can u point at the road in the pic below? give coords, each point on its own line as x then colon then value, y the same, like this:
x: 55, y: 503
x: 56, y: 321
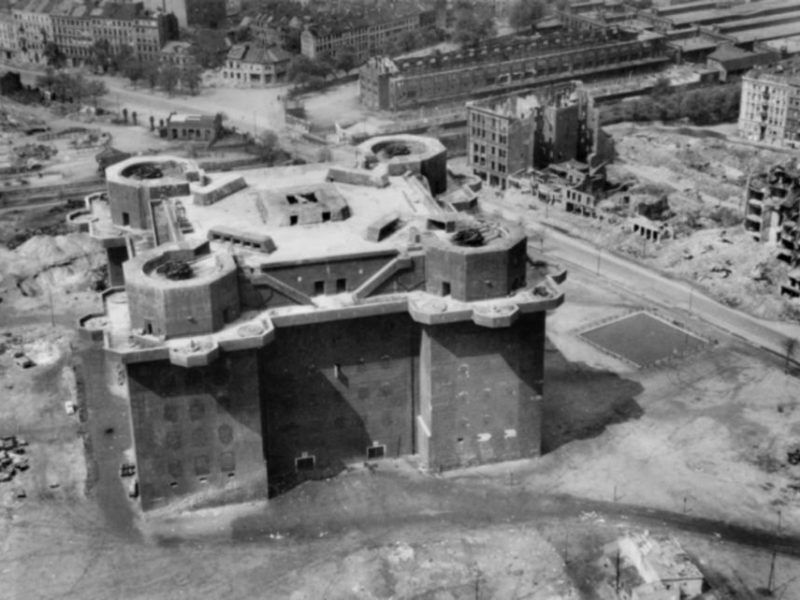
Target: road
x: 249, y: 110
x: 668, y: 292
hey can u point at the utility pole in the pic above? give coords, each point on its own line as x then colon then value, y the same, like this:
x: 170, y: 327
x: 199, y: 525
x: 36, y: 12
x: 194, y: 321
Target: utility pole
x: 599, y: 252
x: 771, y: 579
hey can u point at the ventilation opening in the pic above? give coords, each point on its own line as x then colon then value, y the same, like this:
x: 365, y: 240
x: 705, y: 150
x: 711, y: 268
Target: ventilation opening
x: 326, y: 216
x: 375, y: 452
x: 445, y: 288
x: 293, y: 220
x: 126, y: 219
x: 341, y: 286
x: 292, y: 199
x: 304, y: 463
x: 319, y: 288
x: 148, y: 328
x: 173, y: 484
x: 310, y: 197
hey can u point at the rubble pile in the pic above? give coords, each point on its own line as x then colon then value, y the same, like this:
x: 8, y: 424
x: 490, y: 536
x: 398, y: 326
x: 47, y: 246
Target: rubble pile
x: 12, y: 457
x: 35, y: 151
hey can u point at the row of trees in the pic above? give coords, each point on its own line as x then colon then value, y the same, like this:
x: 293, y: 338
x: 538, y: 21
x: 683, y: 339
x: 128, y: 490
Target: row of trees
x: 167, y: 77
x: 71, y: 87
x: 702, y: 106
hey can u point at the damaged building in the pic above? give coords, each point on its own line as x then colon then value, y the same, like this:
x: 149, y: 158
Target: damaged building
x: 276, y: 324
x: 772, y: 216
x: 508, y: 136
x: 549, y: 143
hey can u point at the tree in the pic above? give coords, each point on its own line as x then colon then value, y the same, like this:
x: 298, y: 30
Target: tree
x: 191, y: 78
x: 346, y: 60
x: 474, y: 23
x: 168, y: 78
x: 301, y: 69
x: 101, y: 54
x: 525, y: 13
x: 661, y: 88
x: 267, y: 145
x: 119, y: 60
x: 54, y: 56
x: 133, y: 70
x: 95, y: 89
x: 208, y: 48
x: 150, y: 73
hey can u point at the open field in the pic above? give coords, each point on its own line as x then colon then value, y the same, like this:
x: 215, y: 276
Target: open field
x: 702, y: 439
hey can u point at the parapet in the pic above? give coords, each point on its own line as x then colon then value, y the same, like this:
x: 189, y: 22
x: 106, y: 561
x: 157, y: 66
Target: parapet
x: 134, y: 182
x: 478, y: 261
x: 402, y: 153
x: 181, y: 289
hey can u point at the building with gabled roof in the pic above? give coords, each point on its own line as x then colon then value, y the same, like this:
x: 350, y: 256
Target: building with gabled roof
x: 254, y: 65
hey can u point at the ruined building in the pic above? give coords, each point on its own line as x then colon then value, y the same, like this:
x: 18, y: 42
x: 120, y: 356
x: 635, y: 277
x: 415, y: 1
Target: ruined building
x: 577, y: 51
x: 772, y: 216
x: 513, y: 134
x: 274, y: 324
x: 770, y: 106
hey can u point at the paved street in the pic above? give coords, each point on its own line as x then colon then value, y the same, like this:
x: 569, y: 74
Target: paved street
x: 662, y: 290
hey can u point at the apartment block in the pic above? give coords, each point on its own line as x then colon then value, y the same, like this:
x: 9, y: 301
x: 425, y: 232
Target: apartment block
x: 770, y: 106
x: 367, y: 34
x: 510, y: 134
x: 34, y: 29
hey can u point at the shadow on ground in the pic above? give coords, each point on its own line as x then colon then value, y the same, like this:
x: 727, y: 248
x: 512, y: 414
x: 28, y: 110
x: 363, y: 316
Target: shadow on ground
x: 580, y: 402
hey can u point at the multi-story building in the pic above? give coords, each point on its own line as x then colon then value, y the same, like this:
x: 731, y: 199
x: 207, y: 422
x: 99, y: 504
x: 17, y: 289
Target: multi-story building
x: 77, y: 28
x: 254, y: 65
x: 510, y: 134
x: 516, y: 65
x: 367, y: 34
x: 34, y: 29
x: 770, y: 106
x: 8, y: 37
x: 266, y: 30
x: 178, y: 54
x: 282, y: 323
x: 772, y: 216
x: 193, y: 13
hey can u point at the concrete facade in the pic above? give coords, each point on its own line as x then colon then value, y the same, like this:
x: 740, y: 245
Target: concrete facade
x: 257, y: 352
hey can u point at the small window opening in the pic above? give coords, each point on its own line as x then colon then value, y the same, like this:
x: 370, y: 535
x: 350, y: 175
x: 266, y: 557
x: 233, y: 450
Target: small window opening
x: 126, y: 219
x: 319, y: 288
x: 173, y: 484
x: 341, y: 285
x: 293, y: 220
x: 310, y: 197
x: 148, y: 328
x: 375, y: 452
x: 304, y: 463
x: 326, y: 216
x: 292, y: 199
x: 445, y: 288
